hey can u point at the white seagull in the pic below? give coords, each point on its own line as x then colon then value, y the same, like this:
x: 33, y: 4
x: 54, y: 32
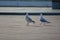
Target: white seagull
x: 43, y: 20
x: 28, y: 19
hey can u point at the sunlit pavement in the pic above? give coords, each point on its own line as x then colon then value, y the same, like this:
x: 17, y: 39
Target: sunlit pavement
x: 29, y: 9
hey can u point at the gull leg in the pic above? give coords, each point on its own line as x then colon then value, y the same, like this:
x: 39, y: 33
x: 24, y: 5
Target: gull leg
x: 41, y: 23
x: 27, y: 23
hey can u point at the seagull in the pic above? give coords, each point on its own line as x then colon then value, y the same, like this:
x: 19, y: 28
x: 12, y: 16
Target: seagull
x: 29, y: 20
x: 43, y: 20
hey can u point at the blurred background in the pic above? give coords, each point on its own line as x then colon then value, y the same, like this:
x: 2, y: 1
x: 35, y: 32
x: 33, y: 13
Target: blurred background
x: 20, y: 3
x: 31, y: 6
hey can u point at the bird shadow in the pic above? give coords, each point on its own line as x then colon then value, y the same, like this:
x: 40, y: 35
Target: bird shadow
x: 34, y: 26
x: 49, y: 25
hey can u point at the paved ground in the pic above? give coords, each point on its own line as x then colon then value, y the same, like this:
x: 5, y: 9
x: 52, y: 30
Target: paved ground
x: 13, y: 27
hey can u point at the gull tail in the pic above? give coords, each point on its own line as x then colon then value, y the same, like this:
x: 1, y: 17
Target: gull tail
x: 48, y: 22
x: 33, y: 22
